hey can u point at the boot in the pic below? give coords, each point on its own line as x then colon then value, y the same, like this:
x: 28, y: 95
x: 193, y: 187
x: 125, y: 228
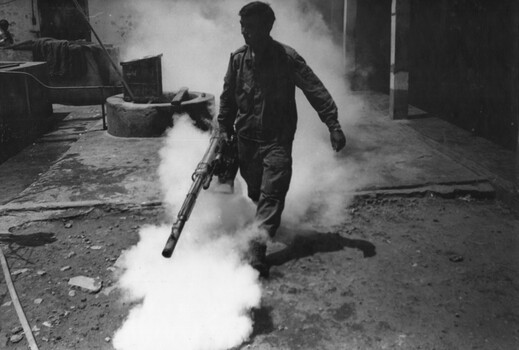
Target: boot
x: 257, y: 258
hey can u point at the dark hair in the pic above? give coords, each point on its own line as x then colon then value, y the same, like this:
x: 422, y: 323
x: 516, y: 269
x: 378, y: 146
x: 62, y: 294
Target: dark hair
x: 4, y: 24
x: 258, y: 8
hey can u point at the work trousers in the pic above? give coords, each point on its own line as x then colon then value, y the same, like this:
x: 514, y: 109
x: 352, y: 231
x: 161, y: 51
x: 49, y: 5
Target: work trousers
x: 266, y: 167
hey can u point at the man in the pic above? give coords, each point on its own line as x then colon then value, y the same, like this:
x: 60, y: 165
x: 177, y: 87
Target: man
x: 6, y: 39
x: 258, y: 104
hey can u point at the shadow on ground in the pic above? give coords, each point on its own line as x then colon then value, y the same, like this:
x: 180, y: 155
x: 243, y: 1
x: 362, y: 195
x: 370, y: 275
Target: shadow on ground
x: 28, y: 240
x: 307, y: 243
x: 262, y: 319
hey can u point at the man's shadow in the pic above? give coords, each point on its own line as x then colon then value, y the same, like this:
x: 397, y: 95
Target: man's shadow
x: 28, y: 240
x: 301, y: 243
x: 16, y: 243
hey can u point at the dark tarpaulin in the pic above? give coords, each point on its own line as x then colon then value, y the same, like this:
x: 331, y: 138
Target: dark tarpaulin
x: 64, y: 58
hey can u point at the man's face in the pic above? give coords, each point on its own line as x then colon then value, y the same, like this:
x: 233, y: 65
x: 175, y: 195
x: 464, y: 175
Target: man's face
x: 254, y: 31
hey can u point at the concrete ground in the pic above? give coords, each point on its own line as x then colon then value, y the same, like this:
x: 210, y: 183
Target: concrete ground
x: 80, y: 164
x: 324, y: 293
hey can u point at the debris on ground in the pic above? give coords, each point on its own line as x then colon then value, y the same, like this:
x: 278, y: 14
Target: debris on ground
x: 413, y: 291
x: 19, y: 272
x: 456, y: 258
x: 86, y: 284
x: 16, y: 338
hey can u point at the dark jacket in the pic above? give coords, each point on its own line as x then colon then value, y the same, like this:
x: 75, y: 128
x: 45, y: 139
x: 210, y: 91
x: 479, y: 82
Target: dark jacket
x: 258, y: 96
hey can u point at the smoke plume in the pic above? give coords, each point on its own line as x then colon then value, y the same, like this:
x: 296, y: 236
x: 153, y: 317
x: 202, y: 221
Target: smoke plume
x: 196, y: 39
x: 200, y: 298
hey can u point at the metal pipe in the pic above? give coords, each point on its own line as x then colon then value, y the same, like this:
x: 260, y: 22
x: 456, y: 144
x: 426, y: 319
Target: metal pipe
x: 127, y: 87
x: 98, y: 87
x: 27, y: 96
x: 16, y: 302
x: 59, y: 87
x: 103, y: 108
x: 104, y: 116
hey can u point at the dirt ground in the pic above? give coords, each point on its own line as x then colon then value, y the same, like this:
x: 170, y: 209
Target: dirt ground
x: 398, y: 273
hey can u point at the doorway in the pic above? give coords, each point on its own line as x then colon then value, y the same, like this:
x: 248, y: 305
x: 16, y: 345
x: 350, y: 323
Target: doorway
x: 59, y: 19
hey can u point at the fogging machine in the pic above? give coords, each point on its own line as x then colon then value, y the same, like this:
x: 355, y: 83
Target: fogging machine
x: 221, y: 160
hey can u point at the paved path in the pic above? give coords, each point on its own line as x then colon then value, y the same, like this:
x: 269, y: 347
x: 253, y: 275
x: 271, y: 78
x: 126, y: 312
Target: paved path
x: 79, y: 164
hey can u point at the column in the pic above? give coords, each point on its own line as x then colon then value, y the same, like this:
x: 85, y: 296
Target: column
x: 349, y: 25
x: 399, y: 71
x: 514, y: 76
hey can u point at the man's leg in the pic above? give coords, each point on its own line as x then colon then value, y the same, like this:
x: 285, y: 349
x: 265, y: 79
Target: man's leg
x: 267, y: 170
x: 251, y: 167
x: 277, y: 172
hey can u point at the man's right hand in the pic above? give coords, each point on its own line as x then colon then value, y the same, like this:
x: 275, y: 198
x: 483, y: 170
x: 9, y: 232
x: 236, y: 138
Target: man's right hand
x: 223, y: 135
x: 337, y: 139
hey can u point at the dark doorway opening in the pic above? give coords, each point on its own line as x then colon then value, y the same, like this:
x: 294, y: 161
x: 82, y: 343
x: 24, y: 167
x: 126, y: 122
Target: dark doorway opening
x: 60, y: 19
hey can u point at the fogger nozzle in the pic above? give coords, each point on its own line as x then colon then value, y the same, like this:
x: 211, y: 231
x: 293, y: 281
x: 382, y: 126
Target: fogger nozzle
x: 169, y: 247
x: 171, y: 243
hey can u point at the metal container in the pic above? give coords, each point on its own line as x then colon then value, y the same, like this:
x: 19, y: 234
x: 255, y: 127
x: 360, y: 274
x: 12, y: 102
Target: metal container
x: 144, y: 78
x: 25, y: 106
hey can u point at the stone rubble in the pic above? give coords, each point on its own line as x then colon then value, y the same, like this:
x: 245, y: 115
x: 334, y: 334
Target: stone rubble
x: 87, y: 284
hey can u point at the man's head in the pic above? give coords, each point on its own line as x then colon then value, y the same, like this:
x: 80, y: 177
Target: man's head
x: 4, y: 25
x: 256, y: 21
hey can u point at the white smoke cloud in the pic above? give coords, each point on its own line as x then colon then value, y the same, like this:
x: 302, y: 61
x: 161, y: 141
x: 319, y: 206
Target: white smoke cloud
x: 199, y: 299
x: 183, y: 149
x: 202, y: 296
x: 323, y: 182
x: 196, y: 39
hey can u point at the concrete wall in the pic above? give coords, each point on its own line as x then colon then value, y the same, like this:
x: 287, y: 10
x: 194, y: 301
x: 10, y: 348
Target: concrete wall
x: 462, y: 63
x: 19, y: 15
x: 112, y: 19
x: 112, y: 22
x: 461, y: 56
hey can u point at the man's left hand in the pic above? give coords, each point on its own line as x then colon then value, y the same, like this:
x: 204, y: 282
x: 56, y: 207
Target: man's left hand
x: 337, y: 139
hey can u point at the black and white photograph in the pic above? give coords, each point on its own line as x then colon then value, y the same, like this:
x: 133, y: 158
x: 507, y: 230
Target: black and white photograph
x: 269, y: 175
